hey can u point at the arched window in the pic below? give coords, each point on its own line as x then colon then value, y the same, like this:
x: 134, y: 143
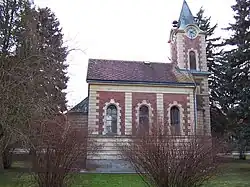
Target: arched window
x: 143, y: 119
x: 175, y: 120
x: 192, y: 60
x: 111, y: 120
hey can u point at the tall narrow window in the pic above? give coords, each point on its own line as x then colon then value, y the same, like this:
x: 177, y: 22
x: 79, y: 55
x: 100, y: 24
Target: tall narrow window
x: 111, y: 120
x: 143, y: 119
x: 175, y: 120
x: 192, y: 60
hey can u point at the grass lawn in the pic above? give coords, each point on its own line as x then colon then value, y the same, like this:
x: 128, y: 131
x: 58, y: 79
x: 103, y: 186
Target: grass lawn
x: 234, y: 174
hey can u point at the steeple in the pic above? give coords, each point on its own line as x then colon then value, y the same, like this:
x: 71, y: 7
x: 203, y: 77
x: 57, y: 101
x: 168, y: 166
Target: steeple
x: 186, y: 16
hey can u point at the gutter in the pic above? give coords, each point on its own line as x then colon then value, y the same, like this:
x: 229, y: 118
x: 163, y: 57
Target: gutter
x: 142, y: 82
x: 196, y: 72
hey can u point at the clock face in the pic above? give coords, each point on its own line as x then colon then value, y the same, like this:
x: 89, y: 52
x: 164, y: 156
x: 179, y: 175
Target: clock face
x: 192, y: 32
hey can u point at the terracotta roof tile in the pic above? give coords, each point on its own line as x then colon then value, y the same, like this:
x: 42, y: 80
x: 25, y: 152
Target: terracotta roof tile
x: 134, y: 71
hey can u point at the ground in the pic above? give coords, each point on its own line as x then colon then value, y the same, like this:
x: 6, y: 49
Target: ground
x: 234, y: 174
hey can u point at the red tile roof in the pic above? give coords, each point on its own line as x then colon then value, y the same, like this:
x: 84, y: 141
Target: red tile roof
x: 134, y: 71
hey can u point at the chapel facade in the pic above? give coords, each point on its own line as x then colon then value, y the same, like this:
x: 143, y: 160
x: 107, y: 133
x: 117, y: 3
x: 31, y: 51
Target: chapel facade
x: 128, y: 97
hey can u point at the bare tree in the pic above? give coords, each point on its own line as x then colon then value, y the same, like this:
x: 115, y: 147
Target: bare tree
x: 173, y: 161
x: 59, y: 148
x: 18, y: 106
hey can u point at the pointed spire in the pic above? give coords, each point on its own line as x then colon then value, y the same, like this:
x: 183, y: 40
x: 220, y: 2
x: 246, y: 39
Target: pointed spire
x: 186, y: 16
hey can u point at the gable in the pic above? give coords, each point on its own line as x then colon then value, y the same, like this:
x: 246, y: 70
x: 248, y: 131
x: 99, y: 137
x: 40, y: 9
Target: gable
x: 81, y: 107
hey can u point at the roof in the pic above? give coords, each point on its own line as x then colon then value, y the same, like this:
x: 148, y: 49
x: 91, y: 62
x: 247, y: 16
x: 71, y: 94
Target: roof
x: 186, y: 16
x: 81, y: 107
x: 135, y: 72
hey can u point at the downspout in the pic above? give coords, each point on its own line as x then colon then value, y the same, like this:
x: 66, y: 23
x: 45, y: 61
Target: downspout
x: 88, y: 100
x: 195, y: 109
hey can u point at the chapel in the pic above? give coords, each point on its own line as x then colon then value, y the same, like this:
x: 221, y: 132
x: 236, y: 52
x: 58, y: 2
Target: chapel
x: 129, y: 97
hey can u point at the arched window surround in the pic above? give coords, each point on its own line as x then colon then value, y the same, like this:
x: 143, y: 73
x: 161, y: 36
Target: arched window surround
x: 116, y: 104
x: 175, y: 119
x: 143, y: 119
x: 181, y: 110
x: 150, y: 111
x: 196, y: 59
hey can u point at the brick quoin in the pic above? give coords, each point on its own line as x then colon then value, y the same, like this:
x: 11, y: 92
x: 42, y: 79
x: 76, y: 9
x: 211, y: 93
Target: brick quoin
x: 180, y: 99
x: 138, y: 98
x: 104, y: 97
x: 174, y: 53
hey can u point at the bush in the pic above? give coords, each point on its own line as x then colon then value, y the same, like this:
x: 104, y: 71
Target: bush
x: 57, y: 149
x: 173, y: 161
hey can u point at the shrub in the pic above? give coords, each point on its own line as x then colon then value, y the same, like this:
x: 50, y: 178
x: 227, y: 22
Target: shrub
x: 58, y: 146
x: 173, y: 161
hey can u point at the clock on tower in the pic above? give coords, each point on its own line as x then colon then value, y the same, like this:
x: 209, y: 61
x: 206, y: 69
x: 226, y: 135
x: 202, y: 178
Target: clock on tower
x: 192, y: 31
x: 188, y: 44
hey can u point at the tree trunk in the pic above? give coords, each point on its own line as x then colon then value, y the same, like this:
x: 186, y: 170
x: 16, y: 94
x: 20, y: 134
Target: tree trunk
x: 1, y: 152
x: 1, y: 161
x: 242, y: 155
x: 7, y: 158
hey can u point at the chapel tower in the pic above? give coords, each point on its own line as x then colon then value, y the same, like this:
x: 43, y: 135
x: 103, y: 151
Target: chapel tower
x: 188, y: 53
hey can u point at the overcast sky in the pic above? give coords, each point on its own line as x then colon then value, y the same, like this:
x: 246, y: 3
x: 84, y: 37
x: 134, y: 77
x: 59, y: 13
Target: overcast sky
x: 123, y: 30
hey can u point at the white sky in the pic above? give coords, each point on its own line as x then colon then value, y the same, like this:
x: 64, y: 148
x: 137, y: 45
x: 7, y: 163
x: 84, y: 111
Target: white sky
x: 123, y: 29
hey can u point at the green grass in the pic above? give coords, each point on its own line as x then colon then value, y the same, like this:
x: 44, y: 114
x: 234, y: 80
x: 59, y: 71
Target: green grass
x: 12, y: 178
x: 109, y: 180
x: 234, y: 174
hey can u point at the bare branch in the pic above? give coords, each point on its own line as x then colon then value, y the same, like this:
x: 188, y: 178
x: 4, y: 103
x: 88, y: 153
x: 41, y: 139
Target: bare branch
x: 173, y: 161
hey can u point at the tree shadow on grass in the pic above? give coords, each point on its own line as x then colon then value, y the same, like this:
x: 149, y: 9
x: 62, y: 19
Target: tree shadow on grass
x: 18, y: 175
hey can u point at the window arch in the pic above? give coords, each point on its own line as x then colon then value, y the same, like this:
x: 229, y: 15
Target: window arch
x: 111, y: 119
x: 192, y: 60
x: 144, y: 115
x: 143, y: 119
x: 175, y: 120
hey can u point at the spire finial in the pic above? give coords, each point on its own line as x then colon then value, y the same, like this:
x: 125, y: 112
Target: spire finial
x: 186, y: 16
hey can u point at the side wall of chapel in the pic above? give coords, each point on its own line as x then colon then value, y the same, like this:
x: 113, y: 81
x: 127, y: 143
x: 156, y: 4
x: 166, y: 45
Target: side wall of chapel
x: 129, y: 98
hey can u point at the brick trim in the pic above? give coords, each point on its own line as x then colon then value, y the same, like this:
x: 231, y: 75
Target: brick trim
x: 160, y: 108
x: 93, y: 112
x: 190, y: 115
x: 128, y: 113
x: 203, y: 56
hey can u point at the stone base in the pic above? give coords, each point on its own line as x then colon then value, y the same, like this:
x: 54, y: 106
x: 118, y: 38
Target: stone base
x: 109, y: 166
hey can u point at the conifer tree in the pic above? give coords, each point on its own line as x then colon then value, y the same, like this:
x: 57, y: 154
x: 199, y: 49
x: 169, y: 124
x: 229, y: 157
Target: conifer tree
x: 237, y: 72
x: 214, y: 53
x: 13, y: 97
x: 11, y: 12
x: 44, y: 43
x: 32, y: 69
x: 52, y: 46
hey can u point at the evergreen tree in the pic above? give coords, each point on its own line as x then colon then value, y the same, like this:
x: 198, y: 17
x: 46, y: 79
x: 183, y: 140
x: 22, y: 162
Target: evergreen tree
x: 213, y: 50
x: 237, y: 100
x: 32, y: 68
x: 13, y: 97
x: 214, y: 53
x: 52, y: 46
x: 44, y: 43
x: 11, y: 12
